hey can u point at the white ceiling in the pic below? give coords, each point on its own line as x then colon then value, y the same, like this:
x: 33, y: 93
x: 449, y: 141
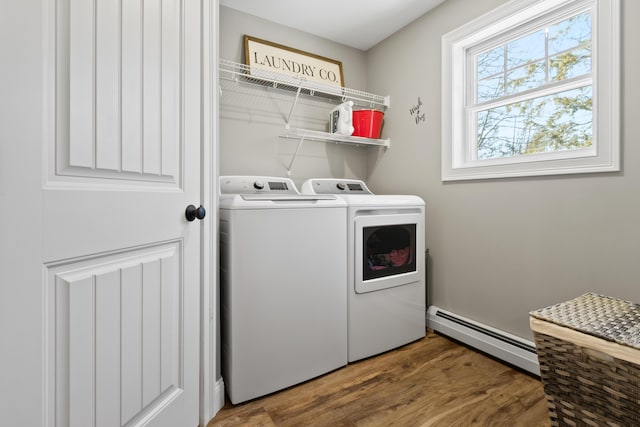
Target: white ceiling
x: 357, y: 23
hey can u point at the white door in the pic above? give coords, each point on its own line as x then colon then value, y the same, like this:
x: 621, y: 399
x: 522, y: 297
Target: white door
x: 121, y: 262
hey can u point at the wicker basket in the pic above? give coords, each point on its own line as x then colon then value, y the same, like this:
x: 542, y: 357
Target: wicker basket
x: 589, y: 354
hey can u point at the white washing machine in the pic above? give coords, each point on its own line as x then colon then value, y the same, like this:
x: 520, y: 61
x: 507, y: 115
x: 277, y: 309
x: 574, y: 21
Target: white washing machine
x: 385, y: 272
x: 283, y: 285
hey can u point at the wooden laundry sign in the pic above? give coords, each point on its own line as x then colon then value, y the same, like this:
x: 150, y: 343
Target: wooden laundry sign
x: 263, y: 56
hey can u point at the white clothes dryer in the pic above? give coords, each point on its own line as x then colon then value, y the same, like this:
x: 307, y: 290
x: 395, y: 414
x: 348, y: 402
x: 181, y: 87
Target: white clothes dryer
x: 283, y: 285
x: 386, y: 272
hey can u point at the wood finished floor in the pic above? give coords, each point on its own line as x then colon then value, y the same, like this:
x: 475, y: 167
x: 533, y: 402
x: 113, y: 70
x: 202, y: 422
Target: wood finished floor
x: 432, y: 382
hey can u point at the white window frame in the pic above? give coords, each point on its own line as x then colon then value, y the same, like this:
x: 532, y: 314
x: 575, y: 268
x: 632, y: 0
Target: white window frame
x: 459, y: 163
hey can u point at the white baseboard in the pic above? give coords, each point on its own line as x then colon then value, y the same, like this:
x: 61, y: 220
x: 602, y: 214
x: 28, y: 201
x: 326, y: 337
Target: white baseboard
x: 218, y: 396
x: 500, y: 344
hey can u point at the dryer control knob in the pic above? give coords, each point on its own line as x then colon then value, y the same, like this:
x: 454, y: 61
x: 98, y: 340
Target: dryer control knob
x: 258, y: 185
x: 341, y: 186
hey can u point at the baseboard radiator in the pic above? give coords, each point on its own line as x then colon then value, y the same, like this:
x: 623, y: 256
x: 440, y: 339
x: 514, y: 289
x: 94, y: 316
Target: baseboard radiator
x: 504, y: 346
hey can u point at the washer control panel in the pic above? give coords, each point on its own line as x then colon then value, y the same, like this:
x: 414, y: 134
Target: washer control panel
x: 257, y: 185
x: 334, y: 186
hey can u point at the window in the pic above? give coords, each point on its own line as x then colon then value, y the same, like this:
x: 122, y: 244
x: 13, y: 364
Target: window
x: 532, y: 88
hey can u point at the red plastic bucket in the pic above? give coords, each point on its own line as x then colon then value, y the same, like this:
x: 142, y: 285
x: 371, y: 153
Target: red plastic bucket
x: 367, y: 123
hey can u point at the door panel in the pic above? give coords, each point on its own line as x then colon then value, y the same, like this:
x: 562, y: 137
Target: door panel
x: 119, y: 90
x: 118, y: 335
x: 122, y: 265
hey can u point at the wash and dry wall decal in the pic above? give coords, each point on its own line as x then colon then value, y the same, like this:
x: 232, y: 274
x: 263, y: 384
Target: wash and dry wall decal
x: 417, y: 113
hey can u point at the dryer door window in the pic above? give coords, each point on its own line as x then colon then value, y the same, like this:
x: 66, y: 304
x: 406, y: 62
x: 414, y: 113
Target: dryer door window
x: 388, y: 250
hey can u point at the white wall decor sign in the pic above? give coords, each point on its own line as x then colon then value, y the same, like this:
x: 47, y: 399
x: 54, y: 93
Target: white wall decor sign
x: 264, y: 57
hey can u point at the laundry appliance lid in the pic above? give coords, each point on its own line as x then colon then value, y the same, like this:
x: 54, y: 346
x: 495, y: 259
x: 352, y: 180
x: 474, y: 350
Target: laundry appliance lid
x: 356, y: 193
x: 267, y: 192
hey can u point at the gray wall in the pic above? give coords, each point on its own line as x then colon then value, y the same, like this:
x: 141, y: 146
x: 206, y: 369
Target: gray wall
x: 500, y: 248
x: 251, y: 119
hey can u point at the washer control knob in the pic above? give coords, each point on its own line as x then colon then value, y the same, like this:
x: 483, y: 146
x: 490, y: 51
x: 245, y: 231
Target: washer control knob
x: 341, y: 186
x: 258, y: 185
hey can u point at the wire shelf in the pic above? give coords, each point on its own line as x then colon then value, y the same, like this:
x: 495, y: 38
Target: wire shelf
x: 234, y: 71
x: 334, y: 137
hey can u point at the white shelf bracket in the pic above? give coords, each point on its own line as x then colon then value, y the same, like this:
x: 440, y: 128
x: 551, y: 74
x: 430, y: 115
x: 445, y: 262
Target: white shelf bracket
x: 293, y: 159
x: 293, y: 107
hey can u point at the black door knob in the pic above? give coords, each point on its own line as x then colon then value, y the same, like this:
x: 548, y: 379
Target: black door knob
x: 192, y: 212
